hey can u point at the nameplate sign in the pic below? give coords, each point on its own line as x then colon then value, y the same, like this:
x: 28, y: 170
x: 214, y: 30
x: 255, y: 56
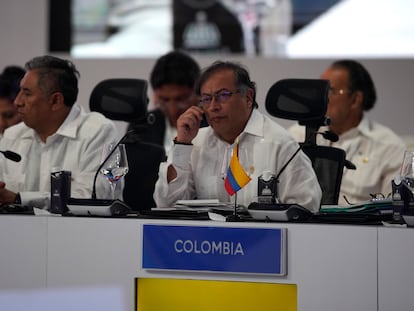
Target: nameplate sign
x: 217, y: 249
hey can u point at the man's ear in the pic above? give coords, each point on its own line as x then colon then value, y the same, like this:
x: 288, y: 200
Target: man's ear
x: 57, y: 101
x: 357, y: 100
x: 249, y: 96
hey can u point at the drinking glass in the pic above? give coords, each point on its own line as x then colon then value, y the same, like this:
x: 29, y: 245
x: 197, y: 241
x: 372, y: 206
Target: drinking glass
x: 115, y: 164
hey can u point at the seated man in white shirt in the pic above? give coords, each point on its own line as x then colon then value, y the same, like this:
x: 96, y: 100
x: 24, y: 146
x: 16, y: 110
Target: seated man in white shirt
x: 375, y: 150
x: 172, y: 80
x: 55, y: 133
x: 198, y: 162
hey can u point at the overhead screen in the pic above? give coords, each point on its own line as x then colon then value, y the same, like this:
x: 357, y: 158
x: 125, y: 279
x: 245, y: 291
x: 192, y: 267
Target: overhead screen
x: 268, y: 28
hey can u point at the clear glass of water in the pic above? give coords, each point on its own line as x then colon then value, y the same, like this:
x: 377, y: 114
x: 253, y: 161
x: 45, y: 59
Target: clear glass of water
x: 115, y: 166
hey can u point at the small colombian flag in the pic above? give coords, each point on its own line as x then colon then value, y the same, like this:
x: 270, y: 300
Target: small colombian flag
x: 236, y: 177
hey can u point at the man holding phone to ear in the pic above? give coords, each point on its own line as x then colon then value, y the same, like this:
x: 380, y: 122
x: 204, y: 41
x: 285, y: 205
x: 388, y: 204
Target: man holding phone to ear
x: 198, y: 163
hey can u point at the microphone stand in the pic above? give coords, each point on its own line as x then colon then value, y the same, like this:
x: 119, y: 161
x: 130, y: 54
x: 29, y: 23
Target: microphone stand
x: 275, y: 204
x: 235, y: 217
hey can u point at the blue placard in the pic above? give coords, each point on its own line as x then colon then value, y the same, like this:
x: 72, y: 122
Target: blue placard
x: 219, y: 249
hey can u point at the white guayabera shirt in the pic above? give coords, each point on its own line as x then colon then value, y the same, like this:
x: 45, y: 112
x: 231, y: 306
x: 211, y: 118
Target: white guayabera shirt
x: 377, y: 153
x: 76, y: 147
x: 264, y: 147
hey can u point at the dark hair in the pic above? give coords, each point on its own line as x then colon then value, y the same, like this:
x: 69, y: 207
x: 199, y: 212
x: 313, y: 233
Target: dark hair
x: 10, y: 81
x: 359, y: 80
x: 56, y: 75
x: 241, y: 77
x: 174, y: 68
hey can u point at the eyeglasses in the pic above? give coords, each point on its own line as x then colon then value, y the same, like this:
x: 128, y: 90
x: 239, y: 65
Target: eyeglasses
x: 219, y: 97
x: 333, y: 91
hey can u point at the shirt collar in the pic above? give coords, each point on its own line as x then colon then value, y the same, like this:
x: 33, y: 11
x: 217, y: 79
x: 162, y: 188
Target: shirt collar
x: 68, y: 128
x: 253, y: 127
x: 363, y: 128
x: 255, y: 124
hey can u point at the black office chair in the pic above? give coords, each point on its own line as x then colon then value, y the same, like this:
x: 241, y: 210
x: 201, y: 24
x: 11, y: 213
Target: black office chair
x: 305, y: 100
x: 126, y: 100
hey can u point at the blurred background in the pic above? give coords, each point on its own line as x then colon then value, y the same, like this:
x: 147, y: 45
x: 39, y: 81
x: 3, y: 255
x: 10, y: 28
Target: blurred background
x: 270, y: 28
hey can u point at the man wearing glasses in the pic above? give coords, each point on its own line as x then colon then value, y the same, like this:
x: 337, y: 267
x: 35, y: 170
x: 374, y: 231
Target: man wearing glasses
x: 197, y: 164
x: 375, y: 150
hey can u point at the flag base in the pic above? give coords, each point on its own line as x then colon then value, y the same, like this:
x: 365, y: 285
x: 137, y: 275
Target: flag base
x: 234, y: 218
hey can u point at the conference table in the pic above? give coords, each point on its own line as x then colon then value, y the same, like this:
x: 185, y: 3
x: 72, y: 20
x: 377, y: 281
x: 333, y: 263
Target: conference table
x: 328, y: 266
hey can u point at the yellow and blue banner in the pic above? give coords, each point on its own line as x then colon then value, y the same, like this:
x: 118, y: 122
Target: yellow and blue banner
x: 236, y: 177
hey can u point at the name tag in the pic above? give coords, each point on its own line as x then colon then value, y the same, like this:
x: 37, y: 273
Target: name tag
x: 218, y: 249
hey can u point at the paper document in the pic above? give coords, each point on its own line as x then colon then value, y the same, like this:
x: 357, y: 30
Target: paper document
x: 209, y: 202
x: 377, y: 206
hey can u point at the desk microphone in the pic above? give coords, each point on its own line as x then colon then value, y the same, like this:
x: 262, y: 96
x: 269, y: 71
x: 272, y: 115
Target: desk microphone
x: 267, y: 185
x: 273, y: 209
x: 329, y: 135
x: 267, y: 182
x: 11, y: 155
x: 106, y: 159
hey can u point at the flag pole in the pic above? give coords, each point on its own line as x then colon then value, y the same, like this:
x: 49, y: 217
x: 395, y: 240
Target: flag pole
x: 235, y: 205
x: 235, y: 216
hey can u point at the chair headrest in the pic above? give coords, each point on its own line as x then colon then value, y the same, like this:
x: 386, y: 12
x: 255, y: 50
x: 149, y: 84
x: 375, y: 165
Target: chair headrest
x: 304, y: 100
x: 120, y: 99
